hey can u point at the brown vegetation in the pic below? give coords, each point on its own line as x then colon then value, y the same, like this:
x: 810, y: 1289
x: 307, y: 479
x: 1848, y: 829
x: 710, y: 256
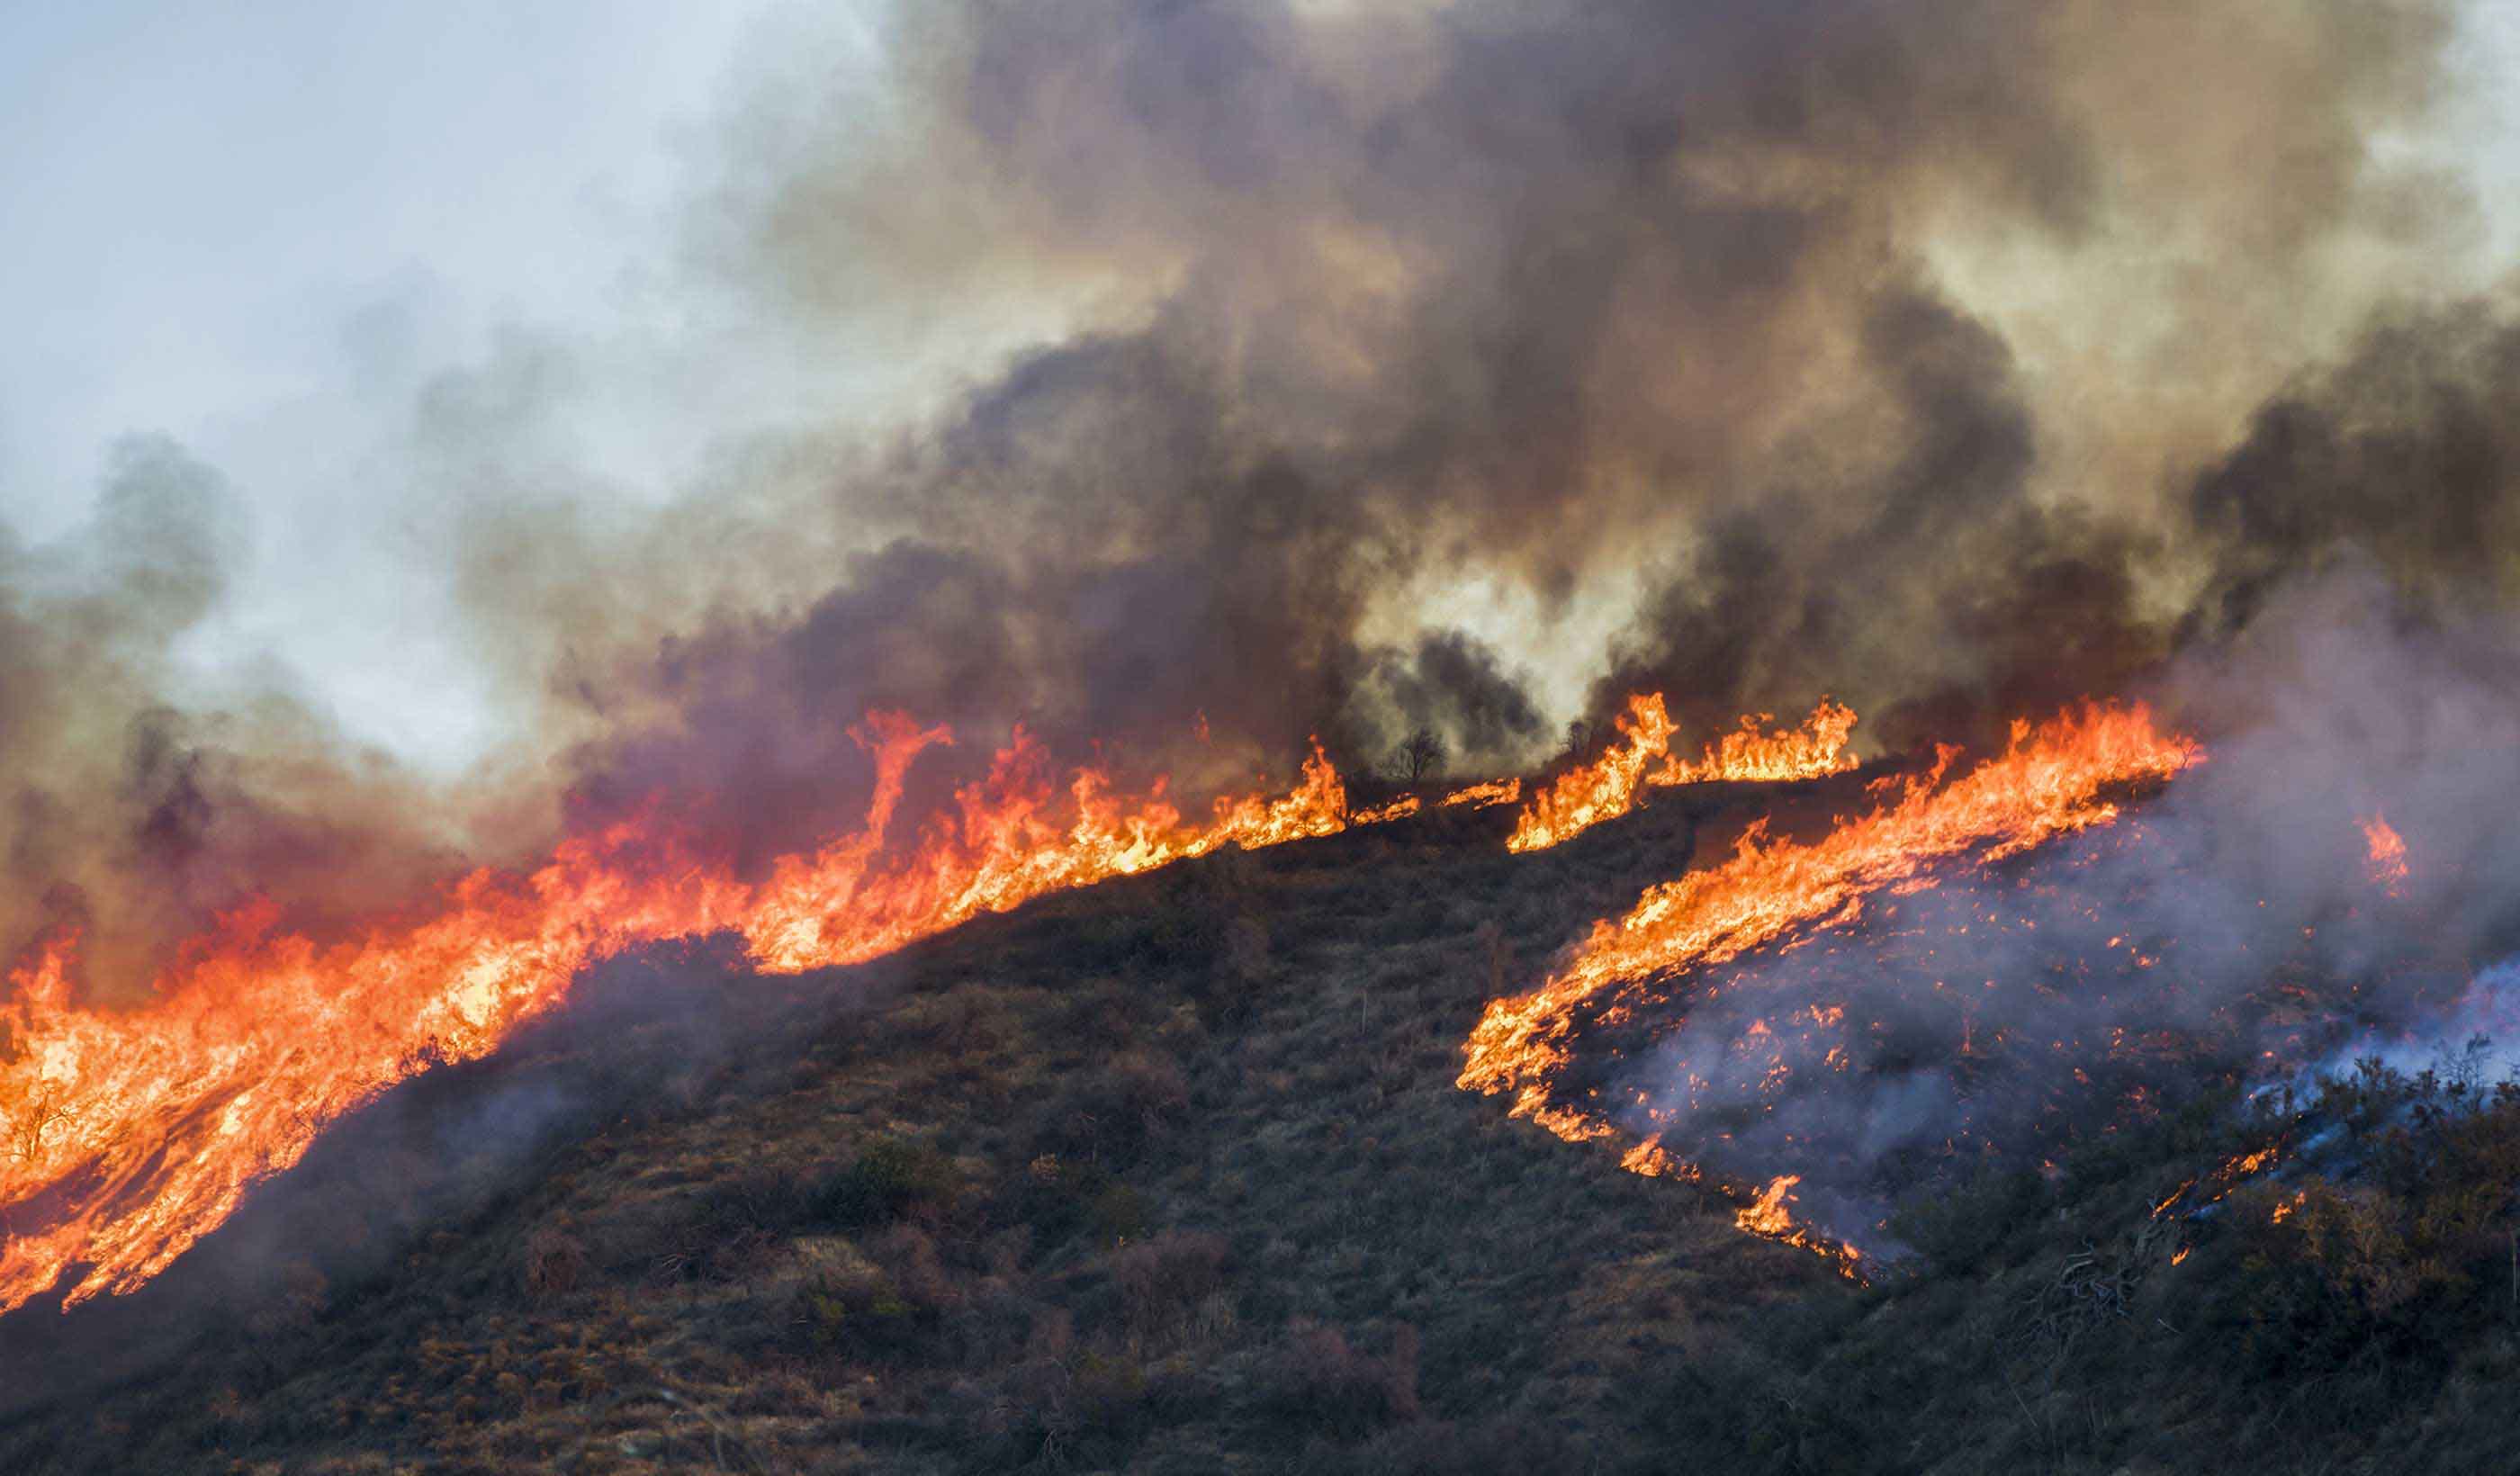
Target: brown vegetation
x: 1172, y: 1176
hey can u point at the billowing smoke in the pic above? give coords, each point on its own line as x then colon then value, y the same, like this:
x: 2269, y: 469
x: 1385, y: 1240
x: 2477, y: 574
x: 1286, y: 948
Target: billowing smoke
x: 1464, y: 365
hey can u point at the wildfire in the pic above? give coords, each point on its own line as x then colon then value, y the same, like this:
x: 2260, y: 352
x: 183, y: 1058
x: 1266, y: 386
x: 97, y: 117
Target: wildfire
x: 1817, y: 749
x: 2051, y: 780
x: 1496, y: 791
x: 1606, y: 788
x: 2387, y: 865
x: 133, y: 1133
x: 1765, y: 1216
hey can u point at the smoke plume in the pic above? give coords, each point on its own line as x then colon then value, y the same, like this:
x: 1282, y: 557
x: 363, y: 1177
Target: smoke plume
x: 1464, y: 365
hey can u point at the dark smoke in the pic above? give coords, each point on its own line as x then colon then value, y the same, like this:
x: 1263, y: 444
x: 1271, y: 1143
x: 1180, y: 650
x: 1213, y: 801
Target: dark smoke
x: 1541, y: 295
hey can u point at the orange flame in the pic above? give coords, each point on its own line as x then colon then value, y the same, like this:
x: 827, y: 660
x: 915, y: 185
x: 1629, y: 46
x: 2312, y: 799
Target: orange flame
x: 133, y: 1133
x: 2387, y: 867
x: 2049, y: 782
x: 1496, y: 791
x: 1603, y: 789
x: 1606, y: 788
x: 1815, y: 749
x: 1767, y: 1217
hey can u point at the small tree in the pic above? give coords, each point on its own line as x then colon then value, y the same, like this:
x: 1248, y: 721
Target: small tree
x: 1419, y: 753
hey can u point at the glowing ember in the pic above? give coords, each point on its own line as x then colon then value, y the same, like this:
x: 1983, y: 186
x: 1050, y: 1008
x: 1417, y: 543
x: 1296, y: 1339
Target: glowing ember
x: 136, y: 1133
x: 2051, y: 781
x: 1606, y: 788
x: 2388, y: 854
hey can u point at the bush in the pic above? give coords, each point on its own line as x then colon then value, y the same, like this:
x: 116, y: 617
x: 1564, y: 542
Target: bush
x: 1114, y: 1118
x: 1957, y: 1228
x: 888, y: 1179
x: 554, y: 1260
x: 1318, y: 1384
x: 862, y: 1317
x: 1117, y: 1214
x: 1162, y: 1279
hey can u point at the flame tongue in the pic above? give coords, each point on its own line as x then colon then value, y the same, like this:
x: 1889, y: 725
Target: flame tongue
x: 2051, y: 781
x: 1606, y: 788
x: 133, y: 1133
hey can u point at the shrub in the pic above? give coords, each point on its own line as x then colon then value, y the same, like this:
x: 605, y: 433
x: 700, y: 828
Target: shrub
x: 1955, y: 1228
x: 1318, y: 1384
x: 1117, y: 1214
x: 864, y: 1318
x: 554, y: 1260
x: 887, y: 1180
x: 1162, y: 1279
x: 1114, y: 1118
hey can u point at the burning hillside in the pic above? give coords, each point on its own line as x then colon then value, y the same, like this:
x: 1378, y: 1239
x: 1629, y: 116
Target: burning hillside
x: 1662, y: 956
x: 1402, y: 506
x: 136, y: 1131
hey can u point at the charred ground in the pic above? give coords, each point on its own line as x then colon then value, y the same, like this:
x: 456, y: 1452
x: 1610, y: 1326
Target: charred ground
x: 1172, y: 1175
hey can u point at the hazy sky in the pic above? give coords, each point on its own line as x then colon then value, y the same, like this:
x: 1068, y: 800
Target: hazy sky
x: 262, y: 229
x: 259, y: 228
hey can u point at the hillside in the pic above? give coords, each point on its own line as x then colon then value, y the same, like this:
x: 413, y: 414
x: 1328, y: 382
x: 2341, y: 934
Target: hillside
x: 1171, y: 1175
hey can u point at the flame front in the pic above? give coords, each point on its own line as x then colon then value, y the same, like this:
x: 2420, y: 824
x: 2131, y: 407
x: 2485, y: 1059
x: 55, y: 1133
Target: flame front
x: 2049, y: 782
x: 132, y: 1134
x: 1606, y: 788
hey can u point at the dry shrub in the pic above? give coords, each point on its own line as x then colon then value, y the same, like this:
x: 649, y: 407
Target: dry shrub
x: 1247, y: 951
x: 907, y: 1257
x: 888, y: 1179
x: 1114, y: 1117
x: 1162, y: 1279
x: 1498, y: 1446
x: 554, y: 1261
x: 1318, y: 1381
x: 1152, y: 1087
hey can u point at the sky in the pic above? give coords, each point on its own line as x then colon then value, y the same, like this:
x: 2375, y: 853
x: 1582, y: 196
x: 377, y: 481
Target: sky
x: 260, y: 227
x: 267, y: 229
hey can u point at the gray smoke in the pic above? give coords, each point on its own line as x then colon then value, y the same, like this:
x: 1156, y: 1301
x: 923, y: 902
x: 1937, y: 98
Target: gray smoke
x: 2230, y: 929
x: 1354, y: 313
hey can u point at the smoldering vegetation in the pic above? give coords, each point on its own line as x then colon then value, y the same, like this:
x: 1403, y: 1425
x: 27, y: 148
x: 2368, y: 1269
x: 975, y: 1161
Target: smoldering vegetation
x: 2232, y: 932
